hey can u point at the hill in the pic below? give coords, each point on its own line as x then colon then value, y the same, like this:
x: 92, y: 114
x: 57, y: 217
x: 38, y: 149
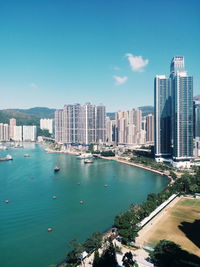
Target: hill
x: 146, y: 110
x: 30, y: 116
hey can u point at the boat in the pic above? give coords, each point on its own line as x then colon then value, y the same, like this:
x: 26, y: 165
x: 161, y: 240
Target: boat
x: 49, y: 229
x: 9, y: 157
x: 56, y: 169
x: 81, y: 202
x: 105, y: 185
x: 6, y: 201
x: 54, y: 197
x: 3, y: 148
x: 88, y: 161
x: 26, y: 155
x: 85, y: 156
x: 18, y: 146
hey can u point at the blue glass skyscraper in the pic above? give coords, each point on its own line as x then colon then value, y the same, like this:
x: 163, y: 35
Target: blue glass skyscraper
x: 173, y: 103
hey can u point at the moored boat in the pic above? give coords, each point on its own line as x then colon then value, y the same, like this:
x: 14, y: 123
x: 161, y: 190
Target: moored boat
x: 9, y: 157
x: 85, y: 156
x: 26, y: 155
x: 88, y: 161
x: 56, y: 169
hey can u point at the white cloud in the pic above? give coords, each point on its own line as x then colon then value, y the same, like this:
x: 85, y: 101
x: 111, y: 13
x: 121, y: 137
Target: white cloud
x: 120, y: 80
x: 137, y: 63
x: 33, y: 85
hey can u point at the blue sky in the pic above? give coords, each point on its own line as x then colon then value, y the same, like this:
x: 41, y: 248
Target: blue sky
x: 102, y: 51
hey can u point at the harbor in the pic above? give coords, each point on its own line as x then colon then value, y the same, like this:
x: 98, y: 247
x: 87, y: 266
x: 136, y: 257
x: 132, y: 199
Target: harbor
x: 38, y: 199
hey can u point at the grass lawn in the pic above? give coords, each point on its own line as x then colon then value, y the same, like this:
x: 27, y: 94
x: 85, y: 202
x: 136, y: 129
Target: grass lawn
x: 180, y: 224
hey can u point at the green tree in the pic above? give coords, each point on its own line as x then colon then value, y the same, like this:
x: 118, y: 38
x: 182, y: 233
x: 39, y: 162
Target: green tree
x: 166, y: 254
x: 96, y: 261
x: 128, y: 260
x: 127, y: 226
x: 173, y: 175
x: 108, y: 258
x: 74, y: 255
x: 93, y: 242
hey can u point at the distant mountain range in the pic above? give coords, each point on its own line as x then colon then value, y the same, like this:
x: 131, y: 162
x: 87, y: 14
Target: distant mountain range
x: 32, y: 116
x: 197, y: 97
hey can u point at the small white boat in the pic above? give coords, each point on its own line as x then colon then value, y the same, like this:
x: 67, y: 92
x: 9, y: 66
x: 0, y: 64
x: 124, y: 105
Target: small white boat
x: 26, y: 155
x: 56, y: 169
x: 85, y: 156
x: 81, y: 202
x: 9, y: 157
x: 88, y: 161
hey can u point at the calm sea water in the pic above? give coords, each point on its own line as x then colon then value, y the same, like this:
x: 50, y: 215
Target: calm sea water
x: 30, y: 183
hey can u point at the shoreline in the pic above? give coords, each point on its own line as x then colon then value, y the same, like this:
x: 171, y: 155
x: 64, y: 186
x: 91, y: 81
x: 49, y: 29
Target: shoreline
x: 138, y: 165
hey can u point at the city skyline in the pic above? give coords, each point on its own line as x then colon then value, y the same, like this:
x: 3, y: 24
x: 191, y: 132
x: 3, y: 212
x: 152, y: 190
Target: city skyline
x: 79, y: 52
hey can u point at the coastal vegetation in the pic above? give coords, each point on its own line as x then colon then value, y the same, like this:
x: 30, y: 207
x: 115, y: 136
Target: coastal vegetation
x: 127, y: 224
x: 151, y: 163
x: 108, y: 153
x: 169, y: 254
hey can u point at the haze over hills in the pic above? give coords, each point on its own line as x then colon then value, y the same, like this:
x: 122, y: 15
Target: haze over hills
x: 32, y: 116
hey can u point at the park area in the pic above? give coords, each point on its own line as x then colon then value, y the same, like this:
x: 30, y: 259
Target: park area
x: 179, y: 222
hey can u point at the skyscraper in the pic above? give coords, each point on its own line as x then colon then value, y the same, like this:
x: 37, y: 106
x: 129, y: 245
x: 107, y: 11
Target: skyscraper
x: 196, y: 119
x: 182, y: 85
x: 162, y: 113
x: 80, y: 124
x: 12, y: 124
x: 173, y: 103
x: 150, y: 128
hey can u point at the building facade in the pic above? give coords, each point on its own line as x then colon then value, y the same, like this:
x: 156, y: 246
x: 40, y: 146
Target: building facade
x: 47, y: 124
x: 173, y: 104
x: 4, y: 132
x: 17, y: 133
x: 150, y: 128
x: 12, y: 125
x: 29, y: 133
x: 80, y: 124
x: 129, y: 127
x: 162, y: 113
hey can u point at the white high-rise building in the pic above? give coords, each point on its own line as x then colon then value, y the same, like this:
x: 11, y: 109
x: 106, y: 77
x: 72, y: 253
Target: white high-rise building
x: 129, y: 127
x: 150, y: 128
x: 1, y: 132
x: 29, y: 133
x: 6, y: 132
x: 17, y: 133
x: 80, y: 124
x: 110, y: 130
x: 12, y: 124
x: 47, y: 124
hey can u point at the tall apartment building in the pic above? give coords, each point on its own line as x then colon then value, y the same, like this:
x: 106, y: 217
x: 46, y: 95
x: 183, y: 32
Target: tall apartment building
x: 4, y: 132
x: 110, y: 130
x: 182, y: 117
x: 129, y: 127
x: 150, y: 128
x: 162, y: 113
x: 47, y: 124
x: 80, y: 124
x: 17, y: 133
x: 196, y: 127
x: 12, y: 124
x: 173, y: 103
x: 29, y: 133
